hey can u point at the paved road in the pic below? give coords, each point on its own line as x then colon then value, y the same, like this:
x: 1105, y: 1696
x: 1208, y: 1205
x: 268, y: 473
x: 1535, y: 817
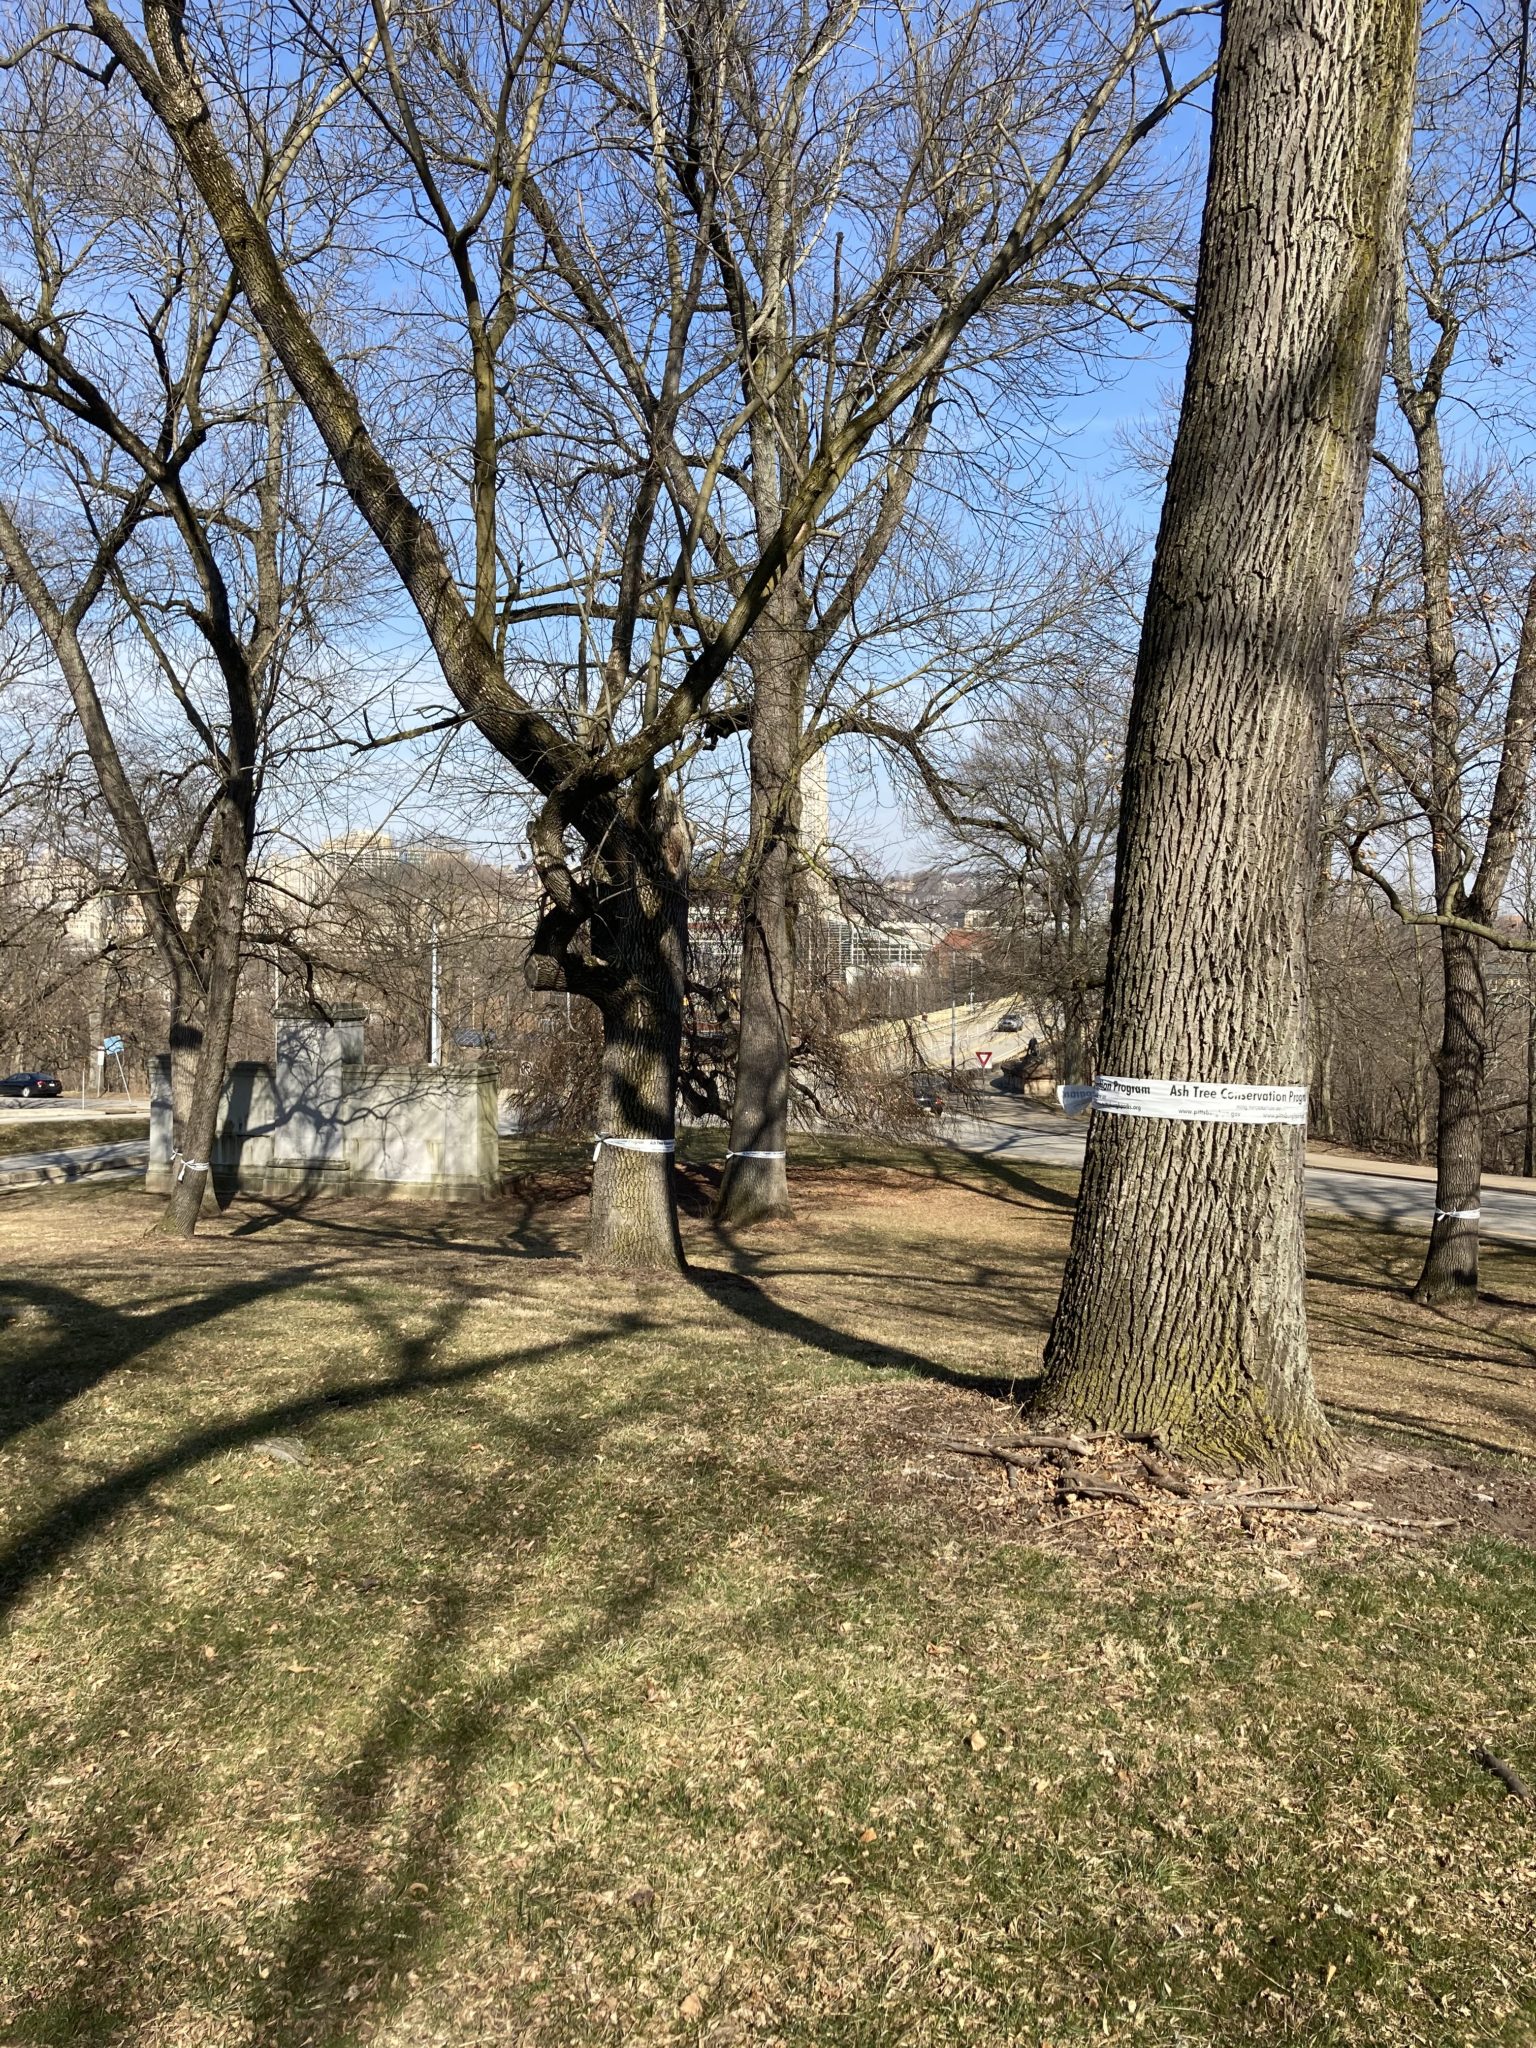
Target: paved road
x: 81, y: 1162
x: 1337, y: 1185
x: 974, y: 1028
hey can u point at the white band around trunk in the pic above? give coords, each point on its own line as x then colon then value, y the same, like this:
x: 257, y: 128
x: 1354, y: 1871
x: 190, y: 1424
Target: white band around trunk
x: 1457, y: 1215
x: 1188, y: 1102
x: 757, y: 1155
x: 192, y: 1166
x: 635, y: 1144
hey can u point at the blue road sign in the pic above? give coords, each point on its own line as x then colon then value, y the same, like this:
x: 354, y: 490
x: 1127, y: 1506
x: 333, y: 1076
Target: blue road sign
x: 112, y: 1045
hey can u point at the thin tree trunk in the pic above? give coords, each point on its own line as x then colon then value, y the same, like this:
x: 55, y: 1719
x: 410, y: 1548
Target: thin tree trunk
x: 1322, y: 1086
x: 1450, y: 1265
x: 1182, y: 1308
x: 201, y: 1027
x: 756, y: 1182
x: 1075, y: 1019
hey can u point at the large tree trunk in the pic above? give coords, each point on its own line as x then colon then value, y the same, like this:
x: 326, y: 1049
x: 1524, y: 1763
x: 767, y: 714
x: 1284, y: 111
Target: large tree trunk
x: 633, y: 1220
x: 1450, y: 1266
x: 756, y: 1182
x: 1182, y: 1307
x: 640, y: 935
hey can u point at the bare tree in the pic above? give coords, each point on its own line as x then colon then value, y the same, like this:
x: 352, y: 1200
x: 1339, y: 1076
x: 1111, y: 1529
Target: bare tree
x: 847, y: 190
x: 1029, y: 797
x: 1440, y: 694
x: 167, y: 543
x: 458, y: 112
x: 1182, y: 1307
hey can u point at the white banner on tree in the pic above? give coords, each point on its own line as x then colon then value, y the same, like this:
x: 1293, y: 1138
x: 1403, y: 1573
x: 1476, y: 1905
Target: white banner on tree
x: 1188, y: 1102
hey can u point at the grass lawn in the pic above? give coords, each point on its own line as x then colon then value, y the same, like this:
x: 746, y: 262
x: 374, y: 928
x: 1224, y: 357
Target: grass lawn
x: 410, y: 1639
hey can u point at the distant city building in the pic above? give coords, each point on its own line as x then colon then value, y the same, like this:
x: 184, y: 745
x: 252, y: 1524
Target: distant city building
x: 902, y: 946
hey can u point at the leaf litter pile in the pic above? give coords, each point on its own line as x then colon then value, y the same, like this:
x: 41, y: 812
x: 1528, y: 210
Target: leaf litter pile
x: 1119, y: 1488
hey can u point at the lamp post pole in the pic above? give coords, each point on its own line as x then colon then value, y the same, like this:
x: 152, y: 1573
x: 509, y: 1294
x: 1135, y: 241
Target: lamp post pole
x: 952, y: 995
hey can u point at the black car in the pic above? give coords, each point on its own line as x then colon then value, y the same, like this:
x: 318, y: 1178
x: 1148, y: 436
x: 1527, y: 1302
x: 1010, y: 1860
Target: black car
x: 927, y: 1089
x: 31, y: 1084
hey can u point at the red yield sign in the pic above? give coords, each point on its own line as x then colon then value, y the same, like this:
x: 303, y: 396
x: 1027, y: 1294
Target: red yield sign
x: 984, y: 1058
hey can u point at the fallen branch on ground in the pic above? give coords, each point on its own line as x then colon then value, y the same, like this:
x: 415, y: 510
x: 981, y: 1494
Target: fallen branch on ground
x: 1086, y: 1488
x: 1506, y: 1774
x: 1169, y: 1481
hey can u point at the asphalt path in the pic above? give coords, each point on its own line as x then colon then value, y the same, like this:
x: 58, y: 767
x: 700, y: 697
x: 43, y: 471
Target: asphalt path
x: 1366, y: 1190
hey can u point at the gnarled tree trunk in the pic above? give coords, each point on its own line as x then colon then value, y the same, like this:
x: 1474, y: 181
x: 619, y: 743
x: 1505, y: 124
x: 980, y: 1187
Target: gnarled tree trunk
x: 756, y: 1182
x: 1182, y: 1307
x: 634, y: 908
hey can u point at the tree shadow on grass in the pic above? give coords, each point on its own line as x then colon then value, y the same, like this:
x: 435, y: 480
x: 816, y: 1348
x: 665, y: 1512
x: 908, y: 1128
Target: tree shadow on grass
x: 1015, y: 1180
x: 383, y: 1852
x: 1425, y: 1427
x: 36, y: 1549
x: 376, y: 1889
x: 520, y: 1238
x: 742, y: 1294
x: 89, y: 1341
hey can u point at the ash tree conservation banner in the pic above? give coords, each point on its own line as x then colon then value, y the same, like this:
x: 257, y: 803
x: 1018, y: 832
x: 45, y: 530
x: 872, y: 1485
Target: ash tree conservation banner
x: 1188, y: 1102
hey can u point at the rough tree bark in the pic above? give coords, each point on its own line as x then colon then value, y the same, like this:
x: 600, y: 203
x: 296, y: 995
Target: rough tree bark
x: 1450, y: 1265
x: 203, y: 1016
x: 756, y: 1182
x: 1182, y: 1308
x: 633, y: 1220
x: 619, y: 938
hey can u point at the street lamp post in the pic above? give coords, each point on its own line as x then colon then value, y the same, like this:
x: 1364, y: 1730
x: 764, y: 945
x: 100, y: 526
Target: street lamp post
x: 952, y: 997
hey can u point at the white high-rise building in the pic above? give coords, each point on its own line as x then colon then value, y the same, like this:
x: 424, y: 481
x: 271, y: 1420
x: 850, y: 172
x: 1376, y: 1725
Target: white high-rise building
x: 815, y: 811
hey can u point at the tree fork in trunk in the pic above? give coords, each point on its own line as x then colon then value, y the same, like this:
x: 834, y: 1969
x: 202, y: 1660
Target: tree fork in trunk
x: 755, y: 1187
x: 1182, y: 1307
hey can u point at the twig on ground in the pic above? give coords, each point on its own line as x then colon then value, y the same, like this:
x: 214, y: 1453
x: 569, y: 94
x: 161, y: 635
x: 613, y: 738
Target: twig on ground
x: 1506, y: 1774
x: 576, y: 1731
x: 1169, y: 1481
x: 1003, y: 1454
x: 1086, y: 1488
x: 1078, y: 1446
x: 1069, y: 1522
